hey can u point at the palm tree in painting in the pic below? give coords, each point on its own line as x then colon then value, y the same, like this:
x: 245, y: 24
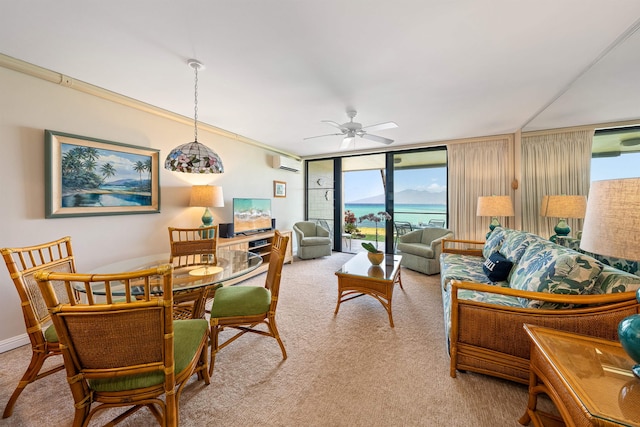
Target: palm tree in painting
x: 78, y: 166
x: 147, y: 165
x: 140, y: 167
x: 107, y: 170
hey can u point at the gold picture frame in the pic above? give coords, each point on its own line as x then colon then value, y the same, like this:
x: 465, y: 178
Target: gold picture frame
x: 88, y: 177
x: 279, y: 189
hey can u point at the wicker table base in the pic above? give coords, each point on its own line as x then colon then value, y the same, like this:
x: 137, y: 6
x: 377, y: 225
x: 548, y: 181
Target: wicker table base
x: 359, y: 277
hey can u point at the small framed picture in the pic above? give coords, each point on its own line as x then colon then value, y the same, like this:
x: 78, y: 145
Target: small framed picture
x: 279, y: 189
x: 88, y: 176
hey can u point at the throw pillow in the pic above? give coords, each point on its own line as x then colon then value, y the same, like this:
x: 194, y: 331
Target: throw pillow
x: 497, y: 267
x: 494, y: 241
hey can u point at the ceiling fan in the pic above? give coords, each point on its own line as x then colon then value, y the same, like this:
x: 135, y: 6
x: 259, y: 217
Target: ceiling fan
x: 352, y: 129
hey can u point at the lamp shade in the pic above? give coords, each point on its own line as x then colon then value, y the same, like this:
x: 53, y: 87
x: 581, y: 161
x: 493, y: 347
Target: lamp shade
x: 612, y: 227
x: 563, y: 206
x: 495, y: 206
x: 612, y: 221
x: 206, y: 196
x: 194, y: 157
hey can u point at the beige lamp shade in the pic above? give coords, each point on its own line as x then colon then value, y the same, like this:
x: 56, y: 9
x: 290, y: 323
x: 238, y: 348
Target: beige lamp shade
x: 612, y: 220
x: 563, y: 206
x: 206, y: 196
x: 495, y: 206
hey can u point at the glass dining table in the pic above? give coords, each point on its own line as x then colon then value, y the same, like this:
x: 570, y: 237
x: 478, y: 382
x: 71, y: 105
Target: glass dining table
x: 230, y: 264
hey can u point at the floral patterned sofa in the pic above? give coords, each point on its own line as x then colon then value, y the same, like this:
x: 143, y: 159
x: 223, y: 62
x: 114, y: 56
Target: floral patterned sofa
x: 540, y: 283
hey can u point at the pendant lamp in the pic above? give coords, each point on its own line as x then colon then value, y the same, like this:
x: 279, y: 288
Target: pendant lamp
x: 194, y: 157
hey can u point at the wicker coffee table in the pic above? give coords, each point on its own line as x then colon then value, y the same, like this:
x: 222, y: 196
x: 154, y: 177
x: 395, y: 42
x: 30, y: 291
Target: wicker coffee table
x: 358, y: 277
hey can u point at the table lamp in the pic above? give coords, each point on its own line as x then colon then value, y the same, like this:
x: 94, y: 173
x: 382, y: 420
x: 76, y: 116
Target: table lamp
x: 206, y: 196
x: 612, y: 227
x: 494, y: 206
x: 563, y: 207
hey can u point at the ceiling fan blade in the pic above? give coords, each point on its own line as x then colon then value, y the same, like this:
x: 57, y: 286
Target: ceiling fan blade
x: 320, y: 136
x: 338, y: 125
x: 381, y: 126
x: 377, y: 138
x: 346, y: 141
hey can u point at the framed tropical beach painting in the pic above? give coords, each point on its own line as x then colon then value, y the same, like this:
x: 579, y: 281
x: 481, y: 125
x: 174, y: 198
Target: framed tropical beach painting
x: 88, y: 176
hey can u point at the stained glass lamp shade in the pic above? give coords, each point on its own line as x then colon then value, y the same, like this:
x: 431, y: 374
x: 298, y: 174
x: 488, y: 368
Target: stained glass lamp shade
x: 194, y: 157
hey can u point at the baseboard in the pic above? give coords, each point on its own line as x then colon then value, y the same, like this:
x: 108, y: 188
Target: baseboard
x: 14, y: 342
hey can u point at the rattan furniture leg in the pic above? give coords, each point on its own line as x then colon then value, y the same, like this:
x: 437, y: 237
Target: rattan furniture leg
x: 358, y: 277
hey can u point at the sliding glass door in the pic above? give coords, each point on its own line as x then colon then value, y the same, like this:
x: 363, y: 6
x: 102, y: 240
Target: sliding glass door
x: 350, y: 196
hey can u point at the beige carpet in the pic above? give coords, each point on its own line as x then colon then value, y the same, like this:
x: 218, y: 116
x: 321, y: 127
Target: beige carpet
x: 348, y: 370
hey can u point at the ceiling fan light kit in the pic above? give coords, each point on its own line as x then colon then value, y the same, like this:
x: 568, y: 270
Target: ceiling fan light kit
x: 352, y: 129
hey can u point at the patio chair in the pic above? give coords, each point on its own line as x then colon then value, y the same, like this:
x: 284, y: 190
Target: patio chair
x: 402, y: 228
x: 125, y: 352
x: 244, y: 307
x: 22, y: 264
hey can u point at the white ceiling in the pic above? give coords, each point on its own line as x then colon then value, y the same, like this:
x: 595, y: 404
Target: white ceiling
x: 275, y: 68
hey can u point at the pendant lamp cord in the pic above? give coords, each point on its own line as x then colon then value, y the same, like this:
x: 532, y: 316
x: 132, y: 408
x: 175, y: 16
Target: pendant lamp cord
x: 195, y: 108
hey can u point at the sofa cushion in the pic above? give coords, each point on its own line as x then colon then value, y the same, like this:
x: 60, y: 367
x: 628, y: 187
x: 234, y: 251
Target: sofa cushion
x: 515, y: 243
x: 497, y: 267
x: 546, y: 267
x: 464, y: 267
x: 494, y: 241
x: 611, y: 280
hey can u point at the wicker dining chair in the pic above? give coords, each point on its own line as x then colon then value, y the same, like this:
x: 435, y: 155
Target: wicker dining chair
x: 125, y: 351
x: 22, y: 264
x: 244, y: 307
x: 193, y: 247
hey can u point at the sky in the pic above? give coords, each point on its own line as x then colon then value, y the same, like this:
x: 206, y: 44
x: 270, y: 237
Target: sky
x: 122, y: 162
x: 624, y: 166
x: 363, y: 184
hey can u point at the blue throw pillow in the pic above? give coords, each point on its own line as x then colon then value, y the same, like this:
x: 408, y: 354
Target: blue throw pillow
x: 497, y: 267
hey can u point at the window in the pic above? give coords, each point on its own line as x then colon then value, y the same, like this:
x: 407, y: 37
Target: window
x: 615, y: 153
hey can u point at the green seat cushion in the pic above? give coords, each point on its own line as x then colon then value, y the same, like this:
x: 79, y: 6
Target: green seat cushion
x: 240, y: 301
x: 50, y: 334
x: 187, y: 335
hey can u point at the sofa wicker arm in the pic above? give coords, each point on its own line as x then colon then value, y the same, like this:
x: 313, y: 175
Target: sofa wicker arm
x: 462, y: 247
x: 489, y: 338
x: 591, y: 300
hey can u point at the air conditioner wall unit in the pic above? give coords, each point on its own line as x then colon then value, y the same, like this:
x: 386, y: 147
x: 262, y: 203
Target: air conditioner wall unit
x: 286, y: 163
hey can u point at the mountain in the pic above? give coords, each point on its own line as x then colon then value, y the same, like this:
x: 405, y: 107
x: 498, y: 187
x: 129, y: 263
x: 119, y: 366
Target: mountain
x: 408, y: 197
x: 128, y: 183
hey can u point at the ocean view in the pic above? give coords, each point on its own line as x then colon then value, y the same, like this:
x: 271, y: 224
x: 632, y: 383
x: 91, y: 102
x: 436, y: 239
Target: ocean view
x: 412, y: 213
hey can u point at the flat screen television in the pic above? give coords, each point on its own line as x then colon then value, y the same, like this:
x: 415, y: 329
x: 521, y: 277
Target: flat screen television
x: 251, y: 215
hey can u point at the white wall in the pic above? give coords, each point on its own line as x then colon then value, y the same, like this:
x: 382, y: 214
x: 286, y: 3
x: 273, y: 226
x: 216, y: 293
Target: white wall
x: 29, y: 105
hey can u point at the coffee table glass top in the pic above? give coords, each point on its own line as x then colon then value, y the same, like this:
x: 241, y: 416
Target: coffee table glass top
x: 598, y: 372
x: 360, y: 265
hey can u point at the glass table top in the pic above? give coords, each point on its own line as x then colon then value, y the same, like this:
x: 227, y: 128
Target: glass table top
x: 231, y: 264
x: 597, y: 371
x: 360, y: 265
